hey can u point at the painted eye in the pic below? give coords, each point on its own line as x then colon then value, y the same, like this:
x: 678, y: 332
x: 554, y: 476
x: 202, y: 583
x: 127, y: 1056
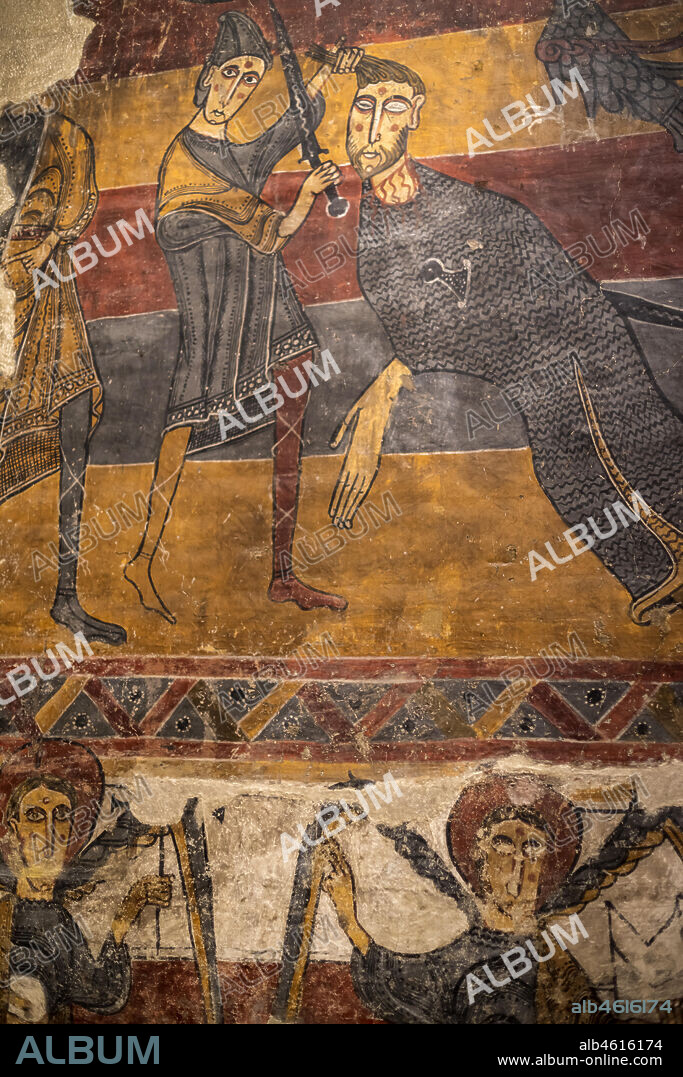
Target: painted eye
x: 62, y: 813
x: 502, y: 843
x: 35, y: 815
x: 251, y: 80
x: 396, y: 106
x: 364, y: 104
x: 230, y: 73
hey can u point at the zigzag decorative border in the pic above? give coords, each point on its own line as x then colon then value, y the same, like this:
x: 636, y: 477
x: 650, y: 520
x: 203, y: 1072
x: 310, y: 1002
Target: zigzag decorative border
x: 357, y: 710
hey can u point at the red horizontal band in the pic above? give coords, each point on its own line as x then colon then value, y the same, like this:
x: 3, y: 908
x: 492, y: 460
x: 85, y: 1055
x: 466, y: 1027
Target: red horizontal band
x: 389, y: 670
x: 597, y: 753
x: 576, y: 191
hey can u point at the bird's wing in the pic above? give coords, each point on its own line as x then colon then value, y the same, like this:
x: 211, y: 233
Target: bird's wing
x: 427, y: 863
x: 614, y: 75
x: 666, y: 69
x: 634, y: 839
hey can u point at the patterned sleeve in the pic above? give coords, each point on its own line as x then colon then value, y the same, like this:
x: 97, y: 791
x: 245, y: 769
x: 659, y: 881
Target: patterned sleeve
x: 79, y: 195
x: 400, y: 988
x: 103, y: 984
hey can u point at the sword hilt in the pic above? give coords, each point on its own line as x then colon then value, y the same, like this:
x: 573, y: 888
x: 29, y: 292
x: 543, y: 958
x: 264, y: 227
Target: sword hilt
x: 336, y: 205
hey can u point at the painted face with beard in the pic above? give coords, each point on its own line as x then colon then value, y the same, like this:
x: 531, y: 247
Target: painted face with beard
x: 381, y: 117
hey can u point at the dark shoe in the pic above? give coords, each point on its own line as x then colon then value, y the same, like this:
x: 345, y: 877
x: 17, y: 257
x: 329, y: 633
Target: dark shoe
x: 68, y: 611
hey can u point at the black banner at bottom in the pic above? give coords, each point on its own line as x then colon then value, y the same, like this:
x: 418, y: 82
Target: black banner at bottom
x: 500, y: 1047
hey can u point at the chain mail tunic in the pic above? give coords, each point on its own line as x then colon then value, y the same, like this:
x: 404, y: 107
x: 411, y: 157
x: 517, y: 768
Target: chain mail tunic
x: 508, y: 318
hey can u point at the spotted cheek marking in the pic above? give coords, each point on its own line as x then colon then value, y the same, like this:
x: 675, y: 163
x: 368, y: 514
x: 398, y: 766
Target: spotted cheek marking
x: 394, y: 127
x: 359, y: 126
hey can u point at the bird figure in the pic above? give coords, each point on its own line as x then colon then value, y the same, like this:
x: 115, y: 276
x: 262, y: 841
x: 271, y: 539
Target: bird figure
x: 617, y: 72
x: 353, y: 783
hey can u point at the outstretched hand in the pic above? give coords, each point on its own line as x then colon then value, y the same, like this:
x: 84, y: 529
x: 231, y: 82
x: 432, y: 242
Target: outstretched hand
x: 367, y: 421
x: 337, y: 882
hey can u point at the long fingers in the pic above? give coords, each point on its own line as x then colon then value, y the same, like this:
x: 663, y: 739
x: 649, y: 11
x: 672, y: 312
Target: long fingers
x: 341, y: 61
x: 325, y: 175
x: 349, y: 489
x: 358, y: 55
x: 158, y: 890
x: 349, y: 495
x: 328, y: 170
x: 356, y: 501
x: 347, y: 60
x: 333, y: 176
x: 339, y: 491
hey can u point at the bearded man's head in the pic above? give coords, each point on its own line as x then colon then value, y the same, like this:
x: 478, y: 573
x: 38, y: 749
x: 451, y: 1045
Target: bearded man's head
x: 385, y: 109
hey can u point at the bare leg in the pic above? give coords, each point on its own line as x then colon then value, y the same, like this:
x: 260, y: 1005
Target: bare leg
x: 167, y: 473
x: 74, y: 433
x: 289, y: 421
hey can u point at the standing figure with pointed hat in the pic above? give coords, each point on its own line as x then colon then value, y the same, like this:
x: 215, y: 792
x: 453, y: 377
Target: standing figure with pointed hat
x: 241, y: 322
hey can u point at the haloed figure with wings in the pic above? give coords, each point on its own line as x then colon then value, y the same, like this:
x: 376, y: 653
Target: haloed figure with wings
x: 50, y: 799
x: 515, y: 844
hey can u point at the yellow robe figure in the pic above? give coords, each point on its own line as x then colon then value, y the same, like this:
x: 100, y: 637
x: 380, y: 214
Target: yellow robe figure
x: 54, y: 360
x: 56, y: 395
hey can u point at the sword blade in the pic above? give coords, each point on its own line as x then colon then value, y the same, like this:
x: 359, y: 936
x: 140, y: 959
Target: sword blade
x: 303, y: 110
x: 300, y: 101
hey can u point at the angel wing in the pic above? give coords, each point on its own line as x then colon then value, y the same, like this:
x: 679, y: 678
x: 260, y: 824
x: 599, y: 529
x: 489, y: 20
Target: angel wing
x: 581, y: 36
x: 636, y: 837
x: 427, y: 863
x: 127, y: 832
